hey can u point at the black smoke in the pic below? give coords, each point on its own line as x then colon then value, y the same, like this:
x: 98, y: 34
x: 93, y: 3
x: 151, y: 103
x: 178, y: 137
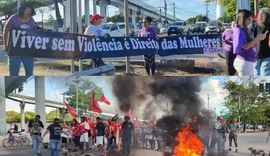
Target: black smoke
x: 182, y: 94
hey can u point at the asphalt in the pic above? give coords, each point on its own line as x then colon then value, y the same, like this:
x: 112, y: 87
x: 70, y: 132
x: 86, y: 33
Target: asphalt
x: 254, y: 140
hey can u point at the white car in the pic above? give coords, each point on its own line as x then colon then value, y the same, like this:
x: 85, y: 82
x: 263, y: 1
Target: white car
x: 164, y: 30
x: 113, y: 29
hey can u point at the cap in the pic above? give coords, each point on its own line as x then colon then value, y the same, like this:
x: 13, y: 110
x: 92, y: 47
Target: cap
x: 96, y: 17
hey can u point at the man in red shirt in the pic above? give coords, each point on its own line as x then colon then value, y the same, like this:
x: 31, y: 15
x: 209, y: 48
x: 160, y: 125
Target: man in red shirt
x: 92, y: 131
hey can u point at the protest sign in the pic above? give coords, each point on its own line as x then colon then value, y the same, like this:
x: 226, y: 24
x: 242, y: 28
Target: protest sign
x: 30, y: 43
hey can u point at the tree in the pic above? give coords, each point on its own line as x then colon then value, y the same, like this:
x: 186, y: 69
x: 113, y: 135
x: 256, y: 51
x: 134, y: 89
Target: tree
x: 29, y: 116
x: 56, y: 114
x: 85, y: 89
x: 9, y: 7
x: 13, y: 116
x: 252, y: 104
x: 50, y: 20
x: 116, y: 19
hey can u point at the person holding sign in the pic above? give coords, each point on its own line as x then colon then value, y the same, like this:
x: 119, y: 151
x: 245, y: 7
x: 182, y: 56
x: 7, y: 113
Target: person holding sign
x: 244, y: 44
x: 96, y: 30
x: 22, y: 20
x: 148, y: 31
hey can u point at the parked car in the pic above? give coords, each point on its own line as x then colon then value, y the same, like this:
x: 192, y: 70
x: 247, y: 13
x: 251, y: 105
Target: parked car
x: 114, y: 29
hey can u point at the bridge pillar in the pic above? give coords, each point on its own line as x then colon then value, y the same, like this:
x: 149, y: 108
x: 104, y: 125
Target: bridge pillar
x: 87, y: 12
x: 40, y: 97
x: 67, y: 14
x: 22, y: 105
x: 103, y: 5
x: 3, y: 124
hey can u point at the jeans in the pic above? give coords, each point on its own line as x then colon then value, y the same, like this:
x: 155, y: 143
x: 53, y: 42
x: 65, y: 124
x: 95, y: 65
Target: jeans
x: 55, y: 147
x: 220, y: 141
x: 234, y: 139
x: 126, y: 141
x: 244, y: 68
x: 37, y: 143
x: 206, y: 143
x: 90, y: 143
x: 230, y: 57
x: 109, y: 142
x: 14, y: 65
x: 149, y: 64
x: 262, y: 67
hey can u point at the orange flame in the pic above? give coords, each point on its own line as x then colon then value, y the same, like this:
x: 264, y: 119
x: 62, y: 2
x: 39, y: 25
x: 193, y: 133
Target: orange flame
x: 189, y: 143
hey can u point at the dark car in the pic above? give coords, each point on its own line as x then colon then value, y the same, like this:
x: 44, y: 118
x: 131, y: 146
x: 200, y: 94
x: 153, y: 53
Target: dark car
x: 197, y: 28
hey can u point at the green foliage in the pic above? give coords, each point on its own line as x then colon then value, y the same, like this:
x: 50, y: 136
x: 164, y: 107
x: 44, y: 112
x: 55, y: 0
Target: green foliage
x: 252, y: 104
x: 116, y: 19
x: 50, y: 20
x: 85, y: 89
x: 13, y: 116
x: 56, y: 114
x: 197, y: 18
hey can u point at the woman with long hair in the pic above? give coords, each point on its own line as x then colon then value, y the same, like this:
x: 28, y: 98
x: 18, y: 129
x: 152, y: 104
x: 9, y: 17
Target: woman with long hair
x: 244, y: 44
x: 76, y: 132
x: 22, y: 20
x: 262, y: 66
x: 227, y: 37
x: 149, y: 60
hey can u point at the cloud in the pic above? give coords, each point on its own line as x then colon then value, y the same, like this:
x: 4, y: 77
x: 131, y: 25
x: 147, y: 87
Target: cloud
x: 216, y: 96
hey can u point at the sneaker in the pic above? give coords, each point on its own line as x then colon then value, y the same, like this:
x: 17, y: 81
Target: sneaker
x: 230, y: 149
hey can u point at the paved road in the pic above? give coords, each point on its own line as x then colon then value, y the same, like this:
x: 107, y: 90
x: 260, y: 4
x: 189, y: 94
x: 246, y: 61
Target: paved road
x: 255, y: 140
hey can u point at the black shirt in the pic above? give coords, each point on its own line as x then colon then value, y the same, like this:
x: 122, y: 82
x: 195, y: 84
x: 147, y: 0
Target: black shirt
x: 264, y: 50
x: 55, y: 131
x: 31, y: 123
x: 127, y: 128
x: 100, y: 127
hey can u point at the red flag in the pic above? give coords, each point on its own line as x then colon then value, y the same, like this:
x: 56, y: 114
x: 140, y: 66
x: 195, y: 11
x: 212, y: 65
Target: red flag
x: 104, y: 99
x: 94, y: 106
x: 71, y: 110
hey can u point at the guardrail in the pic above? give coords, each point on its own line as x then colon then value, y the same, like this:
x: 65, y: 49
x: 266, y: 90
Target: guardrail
x: 107, y: 70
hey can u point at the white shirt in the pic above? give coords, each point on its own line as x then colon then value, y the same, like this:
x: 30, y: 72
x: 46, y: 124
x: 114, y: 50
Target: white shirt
x: 85, y: 125
x: 92, y: 29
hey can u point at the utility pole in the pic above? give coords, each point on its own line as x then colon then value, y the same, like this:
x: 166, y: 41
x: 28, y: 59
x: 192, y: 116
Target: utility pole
x: 73, y: 26
x: 18, y: 5
x: 174, y: 11
x: 165, y: 8
x: 239, y: 104
x: 256, y: 7
x: 126, y: 15
x: 160, y: 11
x: 207, y: 10
x: 208, y: 102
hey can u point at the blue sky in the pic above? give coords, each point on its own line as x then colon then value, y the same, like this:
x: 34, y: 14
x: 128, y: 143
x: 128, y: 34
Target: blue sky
x: 55, y: 86
x: 184, y: 8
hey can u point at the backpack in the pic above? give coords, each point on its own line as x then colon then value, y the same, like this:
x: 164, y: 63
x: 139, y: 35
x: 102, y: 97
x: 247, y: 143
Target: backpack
x: 36, y: 128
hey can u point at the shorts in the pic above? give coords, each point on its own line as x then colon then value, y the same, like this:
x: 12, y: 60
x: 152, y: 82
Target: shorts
x: 84, y: 137
x: 99, y: 140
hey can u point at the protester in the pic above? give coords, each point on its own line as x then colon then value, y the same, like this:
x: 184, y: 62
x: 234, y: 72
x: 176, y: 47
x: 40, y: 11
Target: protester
x: 22, y: 20
x: 262, y: 67
x: 96, y: 30
x: 148, y: 31
x: 92, y: 132
x: 100, y: 128
x: 204, y: 133
x: 244, y: 44
x: 76, y: 133
x: 55, y: 131
x: 35, y: 129
x: 114, y: 134
x: 218, y: 136
x: 108, y: 134
x: 127, y: 132
x: 84, y: 133
x: 234, y: 127
x: 227, y: 36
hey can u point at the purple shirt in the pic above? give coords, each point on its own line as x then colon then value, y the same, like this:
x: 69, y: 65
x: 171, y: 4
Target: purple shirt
x: 227, y: 36
x: 149, y: 32
x: 15, y: 23
x: 239, y: 40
